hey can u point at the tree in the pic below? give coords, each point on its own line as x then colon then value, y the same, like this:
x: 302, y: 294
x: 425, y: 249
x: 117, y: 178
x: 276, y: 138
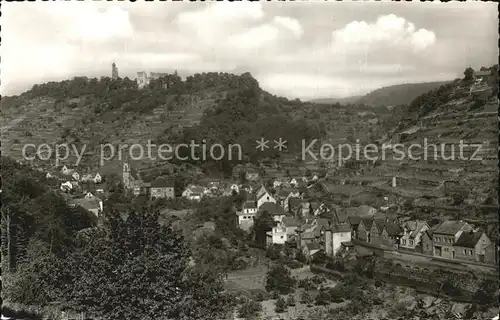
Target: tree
x: 468, y: 74
x: 279, y: 279
x: 263, y: 223
x: 280, y: 305
x: 486, y: 291
x: 306, y: 297
x: 136, y: 266
x: 322, y: 299
x: 291, y: 300
x: 249, y: 309
x: 450, y: 287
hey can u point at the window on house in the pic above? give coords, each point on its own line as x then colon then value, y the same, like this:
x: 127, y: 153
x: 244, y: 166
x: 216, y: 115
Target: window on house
x: 281, y: 237
x: 403, y: 241
x: 470, y: 252
x: 465, y: 251
x: 445, y: 249
x: 411, y: 242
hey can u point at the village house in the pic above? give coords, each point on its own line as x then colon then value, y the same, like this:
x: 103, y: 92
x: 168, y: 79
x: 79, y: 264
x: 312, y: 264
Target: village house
x: 230, y: 190
x: 76, y: 176
x: 325, y: 208
x: 66, y: 171
x: 235, y: 188
x: 427, y: 246
x: 251, y: 174
x: 263, y: 196
x: 471, y: 246
x: 310, y: 250
x: 445, y: 236
x: 314, y: 206
x: 284, y: 231
x: 379, y: 231
x: 245, y: 220
x: 482, y: 76
x: 194, y: 193
x: 312, y: 232
x: 162, y: 188
x: 97, y: 178
x: 275, y: 210
x: 285, y: 194
x: 66, y: 186
x: 391, y: 234
x: 87, y: 177
x: 354, y: 224
x: 412, y: 234
x: 247, y: 187
x: 249, y: 207
x: 132, y: 181
x: 298, y: 207
x: 337, y: 234
x: 491, y: 253
x: 89, y: 195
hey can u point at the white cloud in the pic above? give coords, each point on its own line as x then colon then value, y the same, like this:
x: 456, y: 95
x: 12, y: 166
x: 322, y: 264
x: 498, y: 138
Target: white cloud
x: 254, y: 37
x: 292, y: 51
x: 422, y: 39
x: 223, y: 12
x: 289, y: 23
x: 93, y: 25
x: 389, y: 30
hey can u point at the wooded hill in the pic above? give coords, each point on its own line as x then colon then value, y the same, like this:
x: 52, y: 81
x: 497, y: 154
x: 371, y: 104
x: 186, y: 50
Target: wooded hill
x: 215, y: 107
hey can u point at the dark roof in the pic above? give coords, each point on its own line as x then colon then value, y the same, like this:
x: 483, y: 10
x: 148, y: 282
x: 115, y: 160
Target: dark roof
x: 313, y: 246
x: 380, y: 224
x: 367, y: 222
x: 315, y: 204
x: 295, y: 203
x: 414, y: 227
x: 249, y: 205
x: 346, y: 244
x: 393, y: 229
x: 162, y: 183
x: 324, y: 223
x: 449, y: 227
x: 340, y: 227
x: 283, y: 193
x: 354, y: 221
x: 468, y: 239
x: 290, y: 222
x: 271, y: 207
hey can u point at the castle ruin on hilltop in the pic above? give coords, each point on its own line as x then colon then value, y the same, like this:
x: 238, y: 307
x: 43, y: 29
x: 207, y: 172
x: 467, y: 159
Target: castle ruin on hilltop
x: 143, y: 79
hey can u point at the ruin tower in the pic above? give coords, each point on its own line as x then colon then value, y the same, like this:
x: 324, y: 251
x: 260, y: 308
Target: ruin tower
x: 114, y: 71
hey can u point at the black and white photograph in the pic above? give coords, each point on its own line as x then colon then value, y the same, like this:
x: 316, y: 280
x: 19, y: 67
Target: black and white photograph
x: 249, y: 160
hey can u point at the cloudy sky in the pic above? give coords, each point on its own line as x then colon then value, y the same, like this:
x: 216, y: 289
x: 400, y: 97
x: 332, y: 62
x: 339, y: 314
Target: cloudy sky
x: 303, y: 50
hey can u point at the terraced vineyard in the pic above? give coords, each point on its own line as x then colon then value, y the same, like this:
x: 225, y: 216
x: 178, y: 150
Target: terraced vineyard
x: 443, y: 183
x: 45, y: 120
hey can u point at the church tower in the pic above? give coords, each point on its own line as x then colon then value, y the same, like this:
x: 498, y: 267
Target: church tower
x: 126, y: 175
x: 114, y: 71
